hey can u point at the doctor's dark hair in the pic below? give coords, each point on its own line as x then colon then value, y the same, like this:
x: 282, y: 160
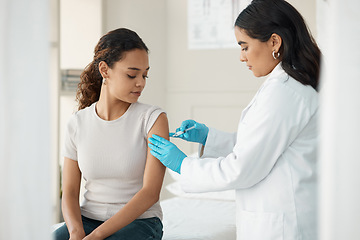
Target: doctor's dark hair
x: 300, y: 54
x: 110, y: 49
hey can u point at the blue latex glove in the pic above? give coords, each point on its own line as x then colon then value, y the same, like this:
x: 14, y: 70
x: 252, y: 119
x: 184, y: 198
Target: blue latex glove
x: 198, y: 134
x: 167, y: 152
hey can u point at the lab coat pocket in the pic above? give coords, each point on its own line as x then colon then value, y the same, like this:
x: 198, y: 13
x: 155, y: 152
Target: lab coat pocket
x: 260, y: 226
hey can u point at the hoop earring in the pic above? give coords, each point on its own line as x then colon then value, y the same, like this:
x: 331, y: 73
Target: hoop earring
x: 277, y: 55
x: 104, y: 81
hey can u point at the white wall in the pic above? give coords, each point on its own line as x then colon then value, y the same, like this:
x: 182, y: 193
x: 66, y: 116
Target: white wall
x: 80, y: 30
x: 25, y: 120
x: 339, y: 37
x: 54, y: 69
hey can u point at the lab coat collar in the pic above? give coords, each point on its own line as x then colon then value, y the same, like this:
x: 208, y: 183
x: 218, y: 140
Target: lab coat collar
x: 277, y: 73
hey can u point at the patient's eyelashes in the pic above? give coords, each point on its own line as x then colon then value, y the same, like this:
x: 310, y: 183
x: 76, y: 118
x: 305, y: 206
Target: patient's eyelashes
x: 132, y: 77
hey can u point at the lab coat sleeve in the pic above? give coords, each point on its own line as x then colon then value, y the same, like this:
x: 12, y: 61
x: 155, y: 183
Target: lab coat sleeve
x: 267, y: 130
x: 215, y: 148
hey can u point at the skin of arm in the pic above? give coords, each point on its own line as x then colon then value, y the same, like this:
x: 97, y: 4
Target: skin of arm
x: 148, y: 194
x: 70, y: 199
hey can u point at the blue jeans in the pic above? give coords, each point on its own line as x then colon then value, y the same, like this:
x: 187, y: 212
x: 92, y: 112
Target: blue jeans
x: 140, y: 229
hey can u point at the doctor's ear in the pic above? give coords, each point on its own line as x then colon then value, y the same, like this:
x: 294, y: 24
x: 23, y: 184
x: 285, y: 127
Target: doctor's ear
x: 275, y: 41
x: 103, y: 69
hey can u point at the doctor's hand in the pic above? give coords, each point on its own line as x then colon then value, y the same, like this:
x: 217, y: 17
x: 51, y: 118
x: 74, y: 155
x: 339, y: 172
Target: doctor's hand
x: 198, y: 134
x: 167, y: 152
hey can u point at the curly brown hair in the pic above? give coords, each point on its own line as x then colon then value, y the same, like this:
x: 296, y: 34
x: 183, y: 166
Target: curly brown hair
x: 110, y: 49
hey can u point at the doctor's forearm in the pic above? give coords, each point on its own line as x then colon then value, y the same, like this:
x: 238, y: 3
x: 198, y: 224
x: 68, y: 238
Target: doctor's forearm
x: 218, y: 144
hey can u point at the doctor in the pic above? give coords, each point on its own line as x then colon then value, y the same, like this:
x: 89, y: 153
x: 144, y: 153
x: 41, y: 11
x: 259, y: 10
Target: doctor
x: 271, y: 161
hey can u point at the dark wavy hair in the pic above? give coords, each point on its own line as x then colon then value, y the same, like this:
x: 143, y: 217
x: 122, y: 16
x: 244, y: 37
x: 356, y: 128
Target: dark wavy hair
x: 110, y: 49
x: 299, y: 51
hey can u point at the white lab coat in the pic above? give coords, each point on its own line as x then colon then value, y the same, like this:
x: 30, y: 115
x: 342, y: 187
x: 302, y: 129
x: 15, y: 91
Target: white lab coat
x: 270, y: 162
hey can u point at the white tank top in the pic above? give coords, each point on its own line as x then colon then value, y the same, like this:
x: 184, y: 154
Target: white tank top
x: 111, y: 156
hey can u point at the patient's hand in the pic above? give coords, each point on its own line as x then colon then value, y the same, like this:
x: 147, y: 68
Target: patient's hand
x: 89, y: 237
x: 77, y: 236
x: 93, y: 236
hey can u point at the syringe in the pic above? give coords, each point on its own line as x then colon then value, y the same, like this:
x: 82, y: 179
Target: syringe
x: 182, y: 132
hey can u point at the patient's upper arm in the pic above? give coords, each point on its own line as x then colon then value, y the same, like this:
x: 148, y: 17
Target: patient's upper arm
x: 154, y: 169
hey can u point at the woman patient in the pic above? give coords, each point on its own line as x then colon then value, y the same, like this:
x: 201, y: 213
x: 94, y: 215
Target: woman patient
x: 106, y: 144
